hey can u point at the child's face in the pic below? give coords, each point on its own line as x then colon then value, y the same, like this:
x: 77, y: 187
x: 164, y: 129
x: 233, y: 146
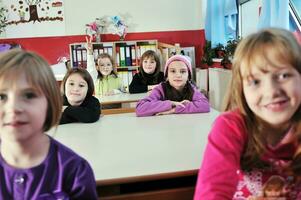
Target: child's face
x: 177, y: 74
x: 273, y: 93
x: 22, y: 111
x: 149, y: 65
x: 76, y: 89
x: 105, y: 66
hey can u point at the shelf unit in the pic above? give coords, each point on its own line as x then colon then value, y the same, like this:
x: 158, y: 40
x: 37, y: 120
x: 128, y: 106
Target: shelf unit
x: 126, y: 54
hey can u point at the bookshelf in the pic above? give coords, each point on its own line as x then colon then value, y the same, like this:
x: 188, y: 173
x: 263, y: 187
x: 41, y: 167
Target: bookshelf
x: 126, y: 54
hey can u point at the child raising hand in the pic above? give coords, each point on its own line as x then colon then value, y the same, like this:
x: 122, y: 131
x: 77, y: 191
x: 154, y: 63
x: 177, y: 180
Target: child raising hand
x: 104, y: 74
x: 259, y: 135
x: 32, y: 164
x: 176, y: 94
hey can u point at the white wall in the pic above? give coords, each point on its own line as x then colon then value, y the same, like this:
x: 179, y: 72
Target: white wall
x: 141, y: 15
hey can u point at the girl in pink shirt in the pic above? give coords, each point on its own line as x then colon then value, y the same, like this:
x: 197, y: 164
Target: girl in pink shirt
x: 253, y: 149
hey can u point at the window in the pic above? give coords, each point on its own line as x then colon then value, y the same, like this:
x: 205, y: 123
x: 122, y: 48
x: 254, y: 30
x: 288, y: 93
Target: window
x: 295, y: 15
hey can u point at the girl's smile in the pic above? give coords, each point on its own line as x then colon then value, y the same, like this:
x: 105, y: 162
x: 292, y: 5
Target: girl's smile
x: 277, y: 106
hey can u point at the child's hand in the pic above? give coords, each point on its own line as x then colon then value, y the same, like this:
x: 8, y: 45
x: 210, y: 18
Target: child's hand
x: 185, y: 101
x: 150, y: 87
x: 175, y: 104
x: 171, y: 111
x: 89, y: 46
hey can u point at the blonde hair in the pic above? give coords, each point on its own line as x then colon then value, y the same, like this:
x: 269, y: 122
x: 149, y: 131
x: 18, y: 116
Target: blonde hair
x: 273, y: 47
x: 15, y: 63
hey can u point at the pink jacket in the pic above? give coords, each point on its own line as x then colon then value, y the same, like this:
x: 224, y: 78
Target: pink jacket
x: 220, y: 176
x: 155, y: 103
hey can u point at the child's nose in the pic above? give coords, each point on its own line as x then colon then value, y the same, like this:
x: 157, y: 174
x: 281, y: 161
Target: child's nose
x: 76, y: 88
x: 272, y: 87
x: 14, y: 105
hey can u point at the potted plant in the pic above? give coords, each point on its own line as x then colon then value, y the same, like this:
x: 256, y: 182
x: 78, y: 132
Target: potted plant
x: 229, y: 53
x: 219, y: 50
x: 208, y: 54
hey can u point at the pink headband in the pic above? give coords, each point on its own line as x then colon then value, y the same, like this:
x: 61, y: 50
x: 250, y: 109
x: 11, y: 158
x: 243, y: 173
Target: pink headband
x: 184, y: 59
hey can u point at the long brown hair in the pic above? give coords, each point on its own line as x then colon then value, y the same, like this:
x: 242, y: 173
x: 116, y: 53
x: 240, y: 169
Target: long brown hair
x: 268, y: 47
x: 155, y: 76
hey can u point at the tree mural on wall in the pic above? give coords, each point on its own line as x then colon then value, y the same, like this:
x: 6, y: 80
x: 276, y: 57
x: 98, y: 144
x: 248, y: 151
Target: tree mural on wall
x: 33, y: 12
x: 36, y: 11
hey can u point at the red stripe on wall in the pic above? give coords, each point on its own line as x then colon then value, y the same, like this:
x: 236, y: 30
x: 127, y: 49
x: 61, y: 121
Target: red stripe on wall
x: 51, y: 48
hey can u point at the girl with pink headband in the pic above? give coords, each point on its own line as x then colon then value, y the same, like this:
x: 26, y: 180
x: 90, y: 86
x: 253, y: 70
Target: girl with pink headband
x: 177, y: 94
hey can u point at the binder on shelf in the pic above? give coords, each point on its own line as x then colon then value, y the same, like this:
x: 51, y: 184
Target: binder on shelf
x: 117, y: 59
x: 122, y: 56
x: 138, y: 54
x: 79, y: 57
x: 133, y: 55
x: 74, y: 57
x: 126, y: 77
x: 142, y: 50
x: 110, y: 51
x: 95, y: 53
x: 128, y: 59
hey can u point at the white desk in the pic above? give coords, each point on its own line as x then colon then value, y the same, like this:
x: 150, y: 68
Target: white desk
x: 121, y: 98
x: 123, y: 148
x: 127, y: 101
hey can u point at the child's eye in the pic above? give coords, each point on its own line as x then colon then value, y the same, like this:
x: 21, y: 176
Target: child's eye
x: 172, y: 71
x: 3, y: 97
x: 183, y: 71
x: 71, y: 83
x: 284, y: 76
x: 253, y: 82
x: 81, y: 85
x: 30, y: 95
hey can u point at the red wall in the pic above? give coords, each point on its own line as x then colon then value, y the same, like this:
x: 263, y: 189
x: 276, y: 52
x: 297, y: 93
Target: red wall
x: 52, y: 48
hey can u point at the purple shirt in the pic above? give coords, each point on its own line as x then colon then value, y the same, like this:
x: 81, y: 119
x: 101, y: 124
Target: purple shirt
x: 62, y: 175
x: 155, y: 103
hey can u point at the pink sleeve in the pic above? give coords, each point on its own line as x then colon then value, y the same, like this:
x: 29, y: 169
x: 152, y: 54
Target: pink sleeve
x: 217, y: 178
x: 153, y: 103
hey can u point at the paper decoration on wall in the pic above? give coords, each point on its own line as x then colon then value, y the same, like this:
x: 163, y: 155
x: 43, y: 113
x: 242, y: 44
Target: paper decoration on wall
x: 32, y: 18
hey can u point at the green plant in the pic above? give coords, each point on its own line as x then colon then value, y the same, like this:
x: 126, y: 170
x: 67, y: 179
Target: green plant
x: 208, y: 53
x: 231, y: 46
x: 229, y: 53
x: 219, y: 50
